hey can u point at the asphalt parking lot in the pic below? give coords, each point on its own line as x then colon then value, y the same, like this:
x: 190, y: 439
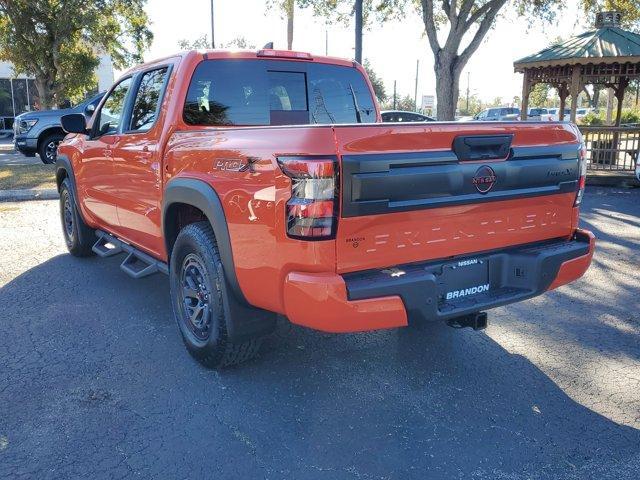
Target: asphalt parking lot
x: 95, y: 382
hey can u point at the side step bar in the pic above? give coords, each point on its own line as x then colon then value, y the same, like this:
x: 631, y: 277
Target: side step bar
x: 137, y: 264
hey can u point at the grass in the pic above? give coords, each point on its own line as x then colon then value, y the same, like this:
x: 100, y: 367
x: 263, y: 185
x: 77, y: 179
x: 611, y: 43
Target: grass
x: 14, y: 177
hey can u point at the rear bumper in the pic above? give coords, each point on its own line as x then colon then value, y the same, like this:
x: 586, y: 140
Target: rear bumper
x: 430, y: 291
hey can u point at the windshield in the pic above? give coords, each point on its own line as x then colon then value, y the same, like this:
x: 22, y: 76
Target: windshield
x: 266, y: 92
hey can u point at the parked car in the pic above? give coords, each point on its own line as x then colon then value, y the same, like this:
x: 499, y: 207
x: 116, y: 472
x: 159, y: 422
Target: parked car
x: 498, y: 114
x: 550, y: 116
x: 402, y: 116
x: 553, y: 114
x: 41, y: 131
x: 263, y: 184
x: 537, y: 114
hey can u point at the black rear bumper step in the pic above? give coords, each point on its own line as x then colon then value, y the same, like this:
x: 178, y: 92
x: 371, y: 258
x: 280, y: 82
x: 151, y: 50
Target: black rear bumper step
x: 446, y: 289
x: 136, y: 264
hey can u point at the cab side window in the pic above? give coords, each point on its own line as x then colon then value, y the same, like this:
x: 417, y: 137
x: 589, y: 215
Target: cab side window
x: 145, y: 107
x: 110, y: 116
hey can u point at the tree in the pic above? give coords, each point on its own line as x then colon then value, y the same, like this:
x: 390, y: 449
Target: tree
x: 286, y: 7
x: 457, y: 18
x: 378, y: 85
x: 463, y: 24
x: 406, y: 103
x: 539, y: 94
x: 630, y: 10
x: 200, y: 43
x: 475, y: 105
x: 59, y: 41
x: 239, y: 42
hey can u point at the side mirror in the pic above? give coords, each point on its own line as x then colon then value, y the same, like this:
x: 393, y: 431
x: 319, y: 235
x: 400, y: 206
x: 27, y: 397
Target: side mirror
x: 90, y: 108
x: 74, y: 123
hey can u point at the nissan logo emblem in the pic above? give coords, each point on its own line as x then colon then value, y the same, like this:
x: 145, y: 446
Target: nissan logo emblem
x: 484, y: 179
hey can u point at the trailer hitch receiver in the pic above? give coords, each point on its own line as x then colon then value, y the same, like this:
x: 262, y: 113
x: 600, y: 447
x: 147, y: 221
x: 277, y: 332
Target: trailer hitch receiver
x: 476, y: 320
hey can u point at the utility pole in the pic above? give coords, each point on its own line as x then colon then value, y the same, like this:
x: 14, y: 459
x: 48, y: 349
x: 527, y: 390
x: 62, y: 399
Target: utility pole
x: 415, y: 93
x: 326, y: 41
x: 468, y: 81
x: 359, y: 31
x: 213, y: 43
x: 394, y: 95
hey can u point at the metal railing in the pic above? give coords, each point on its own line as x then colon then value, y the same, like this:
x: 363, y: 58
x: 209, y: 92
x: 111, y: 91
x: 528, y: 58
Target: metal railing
x: 612, y: 148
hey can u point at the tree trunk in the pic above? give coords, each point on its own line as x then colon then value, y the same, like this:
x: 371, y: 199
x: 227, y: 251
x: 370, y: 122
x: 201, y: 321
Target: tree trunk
x: 46, y: 93
x: 447, y: 85
x: 290, y: 13
x: 588, y: 95
x: 596, y: 97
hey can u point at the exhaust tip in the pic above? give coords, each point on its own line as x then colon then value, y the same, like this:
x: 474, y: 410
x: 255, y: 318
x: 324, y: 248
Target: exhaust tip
x: 477, y: 321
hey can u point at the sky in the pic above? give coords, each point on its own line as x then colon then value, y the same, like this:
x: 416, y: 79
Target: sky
x: 392, y: 49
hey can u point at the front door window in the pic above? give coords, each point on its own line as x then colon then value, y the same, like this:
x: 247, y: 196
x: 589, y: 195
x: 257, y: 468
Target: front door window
x: 110, y: 116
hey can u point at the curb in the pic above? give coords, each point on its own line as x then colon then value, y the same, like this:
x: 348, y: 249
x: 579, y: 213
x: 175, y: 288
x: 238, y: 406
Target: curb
x: 626, y: 181
x: 23, y: 195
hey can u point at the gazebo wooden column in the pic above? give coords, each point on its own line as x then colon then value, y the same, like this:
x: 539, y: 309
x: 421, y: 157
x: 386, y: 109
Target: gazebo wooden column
x: 576, y: 87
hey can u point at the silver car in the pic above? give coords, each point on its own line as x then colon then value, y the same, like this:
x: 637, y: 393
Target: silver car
x: 498, y: 114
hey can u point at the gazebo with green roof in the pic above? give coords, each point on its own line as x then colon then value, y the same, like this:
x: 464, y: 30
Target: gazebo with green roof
x: 608, y: 56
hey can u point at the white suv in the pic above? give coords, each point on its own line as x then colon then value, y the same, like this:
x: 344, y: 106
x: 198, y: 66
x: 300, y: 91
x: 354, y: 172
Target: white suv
x: 498, y: 114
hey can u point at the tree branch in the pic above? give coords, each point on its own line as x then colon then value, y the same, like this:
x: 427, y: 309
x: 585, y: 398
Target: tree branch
x: 465, y: 8
x: 429, y: 25
x: 484, y: 27
x: 484, y: 9
x: 449, y: 7
x: 446, y: 6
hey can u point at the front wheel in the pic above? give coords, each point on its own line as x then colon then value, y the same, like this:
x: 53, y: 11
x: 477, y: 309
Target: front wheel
x: 77, y: 235
x: 48, y: 149
x: 198, y: 300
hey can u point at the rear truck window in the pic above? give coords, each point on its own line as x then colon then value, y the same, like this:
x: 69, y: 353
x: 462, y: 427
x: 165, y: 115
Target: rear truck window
x: 266, y: 92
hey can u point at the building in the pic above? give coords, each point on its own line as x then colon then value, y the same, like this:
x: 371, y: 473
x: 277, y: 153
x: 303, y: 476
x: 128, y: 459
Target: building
x: 18, y: 93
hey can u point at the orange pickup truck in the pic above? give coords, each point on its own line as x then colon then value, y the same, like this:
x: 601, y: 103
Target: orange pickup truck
x: 264, y: 183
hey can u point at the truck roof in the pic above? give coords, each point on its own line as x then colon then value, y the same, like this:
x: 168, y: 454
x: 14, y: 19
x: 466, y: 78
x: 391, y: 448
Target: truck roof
x: 262, y: 54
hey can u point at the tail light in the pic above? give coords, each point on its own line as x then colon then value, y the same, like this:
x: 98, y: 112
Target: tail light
x: 582, y: 167
x: 311, y: 212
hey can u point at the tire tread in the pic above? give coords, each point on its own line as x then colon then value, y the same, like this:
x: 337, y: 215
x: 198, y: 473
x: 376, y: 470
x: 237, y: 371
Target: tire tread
x: 226, y: 353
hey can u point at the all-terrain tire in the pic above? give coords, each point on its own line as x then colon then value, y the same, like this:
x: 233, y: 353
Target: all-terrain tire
x: 48, y: 148
x: 77, y: 235
x: 198, y: 300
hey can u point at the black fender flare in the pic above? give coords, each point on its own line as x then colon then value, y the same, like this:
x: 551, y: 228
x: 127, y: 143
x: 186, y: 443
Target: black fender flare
x: 63, y: 167
x: 201, y: 195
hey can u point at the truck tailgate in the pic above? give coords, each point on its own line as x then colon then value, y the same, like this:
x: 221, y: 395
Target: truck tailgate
x: 407, y: 197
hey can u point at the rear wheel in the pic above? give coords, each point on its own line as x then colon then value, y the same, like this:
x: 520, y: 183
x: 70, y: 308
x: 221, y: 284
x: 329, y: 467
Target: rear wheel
x: 48, y: 149
x: 198, y: 300
x: 77, y: 235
